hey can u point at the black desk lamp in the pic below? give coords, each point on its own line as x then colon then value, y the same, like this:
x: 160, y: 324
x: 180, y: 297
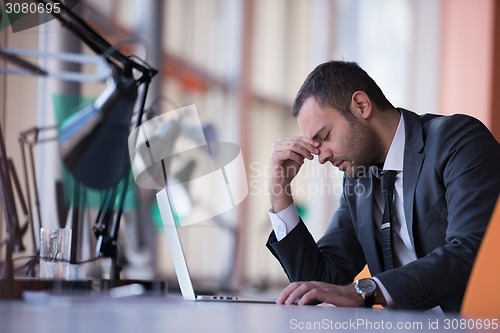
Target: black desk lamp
x: 93, y: 142
x: 93, y: 146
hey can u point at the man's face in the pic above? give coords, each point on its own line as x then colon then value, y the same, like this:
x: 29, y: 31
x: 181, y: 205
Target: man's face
x: 350, y: 146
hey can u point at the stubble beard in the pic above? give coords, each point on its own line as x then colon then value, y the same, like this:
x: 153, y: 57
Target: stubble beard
x: 365, y: 146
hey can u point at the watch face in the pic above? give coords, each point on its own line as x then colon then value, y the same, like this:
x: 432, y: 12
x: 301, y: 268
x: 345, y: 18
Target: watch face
x: 367, y: 286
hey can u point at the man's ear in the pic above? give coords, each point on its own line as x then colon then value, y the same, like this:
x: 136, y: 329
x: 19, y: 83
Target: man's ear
x: 361, y: 106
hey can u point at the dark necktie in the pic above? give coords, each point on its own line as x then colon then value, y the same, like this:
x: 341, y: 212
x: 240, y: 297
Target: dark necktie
x: 386, y: 229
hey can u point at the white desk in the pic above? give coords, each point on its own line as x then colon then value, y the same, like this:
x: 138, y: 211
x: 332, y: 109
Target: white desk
x: 85, y: 314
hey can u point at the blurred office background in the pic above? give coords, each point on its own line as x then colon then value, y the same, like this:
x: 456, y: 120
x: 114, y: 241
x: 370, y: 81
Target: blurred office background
x: 241, y: 63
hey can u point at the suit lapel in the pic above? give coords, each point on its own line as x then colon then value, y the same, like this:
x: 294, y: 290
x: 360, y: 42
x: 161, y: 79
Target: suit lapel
x: 412, y: 165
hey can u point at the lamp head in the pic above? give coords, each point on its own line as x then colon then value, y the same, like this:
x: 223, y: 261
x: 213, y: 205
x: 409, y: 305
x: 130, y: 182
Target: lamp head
x: 93, y: 142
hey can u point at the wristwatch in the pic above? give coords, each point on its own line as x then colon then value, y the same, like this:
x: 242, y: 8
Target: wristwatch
x: 367, y: 289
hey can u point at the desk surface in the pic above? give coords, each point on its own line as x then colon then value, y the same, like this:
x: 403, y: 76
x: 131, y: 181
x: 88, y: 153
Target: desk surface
x: 148, y: 313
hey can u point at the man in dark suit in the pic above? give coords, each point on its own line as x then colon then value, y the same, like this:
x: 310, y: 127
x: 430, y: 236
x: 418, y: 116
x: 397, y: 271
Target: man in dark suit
x: 447, y: 180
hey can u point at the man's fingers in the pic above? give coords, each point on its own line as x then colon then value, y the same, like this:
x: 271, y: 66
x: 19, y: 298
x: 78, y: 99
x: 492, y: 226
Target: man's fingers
x: 310, y: 297
x: 295, y: 149
x: 301, y: 293
x: 285, y: 294
x: 315, y: 292
x: 299, y: 145
x: 296, y: 294
x: 305, y: 293
x: 289, y: 155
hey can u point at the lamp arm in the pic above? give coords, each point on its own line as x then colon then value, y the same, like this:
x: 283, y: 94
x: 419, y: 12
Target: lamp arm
x: 28, y: 139
x: 7, y: 195
x: 14, y: 237
x: 22, y: 201
x: 102, y: 70
x: 22, y: 63
x: 95, y: 41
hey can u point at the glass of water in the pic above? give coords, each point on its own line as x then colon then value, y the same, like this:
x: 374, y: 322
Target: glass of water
x: 55, y: 250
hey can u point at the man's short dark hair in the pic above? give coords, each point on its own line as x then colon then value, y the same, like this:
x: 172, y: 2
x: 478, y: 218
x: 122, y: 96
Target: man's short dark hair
x: 333, y: 83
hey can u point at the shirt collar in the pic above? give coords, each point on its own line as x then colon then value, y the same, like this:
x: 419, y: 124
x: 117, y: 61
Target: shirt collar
x: 395, y: 155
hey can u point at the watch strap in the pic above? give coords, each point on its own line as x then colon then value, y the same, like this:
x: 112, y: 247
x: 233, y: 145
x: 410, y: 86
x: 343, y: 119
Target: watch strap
x: 369, y: 300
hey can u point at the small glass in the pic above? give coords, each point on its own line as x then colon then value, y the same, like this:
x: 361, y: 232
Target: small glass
x: 55, y: 250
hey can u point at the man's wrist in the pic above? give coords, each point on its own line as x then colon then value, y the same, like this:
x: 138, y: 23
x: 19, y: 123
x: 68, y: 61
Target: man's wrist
x: 281, y: 196
x: 381, y: 294
x: 369, y: 292
x: 360, y: 302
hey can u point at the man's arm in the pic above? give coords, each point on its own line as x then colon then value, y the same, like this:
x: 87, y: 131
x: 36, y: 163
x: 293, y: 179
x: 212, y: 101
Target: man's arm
x: 287, y: 158
x: 336, y: 258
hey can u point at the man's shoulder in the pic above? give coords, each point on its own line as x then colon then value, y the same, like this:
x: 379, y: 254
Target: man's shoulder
x: 438, y: 122
x: 444, y: 127
x: 458, y: 135
x: 440, y: 134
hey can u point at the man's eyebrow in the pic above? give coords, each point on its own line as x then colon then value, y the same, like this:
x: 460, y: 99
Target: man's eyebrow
x: 316, y: 135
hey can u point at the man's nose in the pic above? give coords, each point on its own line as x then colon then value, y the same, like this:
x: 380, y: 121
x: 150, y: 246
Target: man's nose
x: 323, y: 156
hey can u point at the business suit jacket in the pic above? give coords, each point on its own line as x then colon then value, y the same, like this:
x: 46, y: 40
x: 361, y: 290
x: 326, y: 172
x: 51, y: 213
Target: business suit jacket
x: 451, y: 181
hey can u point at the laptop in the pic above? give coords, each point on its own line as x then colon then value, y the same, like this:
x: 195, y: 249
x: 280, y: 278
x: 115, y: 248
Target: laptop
x: 179, y: 259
